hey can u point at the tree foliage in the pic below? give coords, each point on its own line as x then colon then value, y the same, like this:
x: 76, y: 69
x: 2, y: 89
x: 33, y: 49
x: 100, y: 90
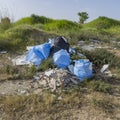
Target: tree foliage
x: 40, y: 19
x: 83, y: 17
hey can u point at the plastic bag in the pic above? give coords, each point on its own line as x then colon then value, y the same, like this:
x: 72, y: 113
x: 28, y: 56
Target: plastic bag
x: 83, y: 69
x: 58, y: 44
x: 38, y: 53
x: 61, y: 58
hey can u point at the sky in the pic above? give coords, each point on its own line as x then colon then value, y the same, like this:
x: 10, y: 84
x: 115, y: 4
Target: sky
x: 60, y: 9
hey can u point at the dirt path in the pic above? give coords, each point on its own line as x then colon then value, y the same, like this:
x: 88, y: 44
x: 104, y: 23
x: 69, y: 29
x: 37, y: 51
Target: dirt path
x: 19, y: 87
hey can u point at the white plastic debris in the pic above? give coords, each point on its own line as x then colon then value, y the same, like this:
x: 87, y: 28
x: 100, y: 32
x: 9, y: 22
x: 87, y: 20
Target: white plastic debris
x: 20, y: 60
x: 49, y: 73
x: 36, y: 77
x: 29, y: 47
x: 104, y: 68
x: 71, y: 68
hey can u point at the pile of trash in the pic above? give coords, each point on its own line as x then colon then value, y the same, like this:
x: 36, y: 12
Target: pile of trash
x: 56, y: 78
x: 60, y: 51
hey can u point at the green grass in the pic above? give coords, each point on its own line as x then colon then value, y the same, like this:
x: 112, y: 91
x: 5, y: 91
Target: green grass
x: 103, y: 23
x: 26, y: 20
x: 46, y: 64
x: 20, y: 36
x: 61, y: 25
x: 33, y: 19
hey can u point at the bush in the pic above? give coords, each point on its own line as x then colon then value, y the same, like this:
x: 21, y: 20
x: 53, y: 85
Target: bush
x: 26, y: 20
x: 5, y: 45
x: 101, y: 86
x: 99, y: 57
x: 35, y: 19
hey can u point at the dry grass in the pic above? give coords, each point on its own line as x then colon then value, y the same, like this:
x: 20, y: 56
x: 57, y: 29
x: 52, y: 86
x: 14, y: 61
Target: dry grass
x: 63, y: 105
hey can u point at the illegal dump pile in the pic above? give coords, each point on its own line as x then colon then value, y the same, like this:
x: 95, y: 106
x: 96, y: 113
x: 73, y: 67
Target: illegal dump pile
x: 68, y: 72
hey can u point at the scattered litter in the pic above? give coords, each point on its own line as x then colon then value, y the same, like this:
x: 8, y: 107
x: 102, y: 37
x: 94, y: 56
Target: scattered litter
x: 81, y: 55
x: 29, y: 47
x: 59, y: 98
x: 3, y: 52
x: 72, y: 51
x: 22, y: 91
x: 36, y: 77
x: 71, y: 68
x: 105, y: 67
x: 61, y: 78
x: 20, y: 60
x: 49, y: 73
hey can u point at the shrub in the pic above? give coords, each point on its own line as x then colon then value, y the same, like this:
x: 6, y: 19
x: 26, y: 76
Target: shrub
x: 35, y: 19
x: 5, y: 44
x: 26, y: 20
x: 100, y: 57
x: 101, y: 86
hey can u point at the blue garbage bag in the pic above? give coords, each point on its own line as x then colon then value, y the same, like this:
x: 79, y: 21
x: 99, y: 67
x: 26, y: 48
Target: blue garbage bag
x: 44, y: 49
x: 38, y: 53
x: 61, y: 58
x: 83, y: 69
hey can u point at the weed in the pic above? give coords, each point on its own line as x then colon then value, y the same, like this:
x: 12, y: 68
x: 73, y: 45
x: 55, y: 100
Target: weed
x: 105, y: 105
x: 9, y: 69
x: 100, y: 86
x: 99, y: 57
x: 46, y: 64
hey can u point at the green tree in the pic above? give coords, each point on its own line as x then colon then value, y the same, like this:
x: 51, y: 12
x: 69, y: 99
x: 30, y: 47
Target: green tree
x: 83, y: 17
